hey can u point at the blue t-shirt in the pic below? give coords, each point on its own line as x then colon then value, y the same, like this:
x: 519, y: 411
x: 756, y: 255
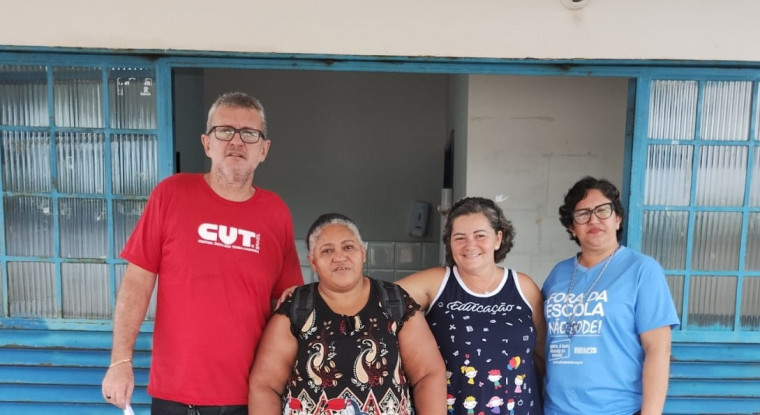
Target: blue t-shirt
x: 487, y: 342
x: 598, y: 369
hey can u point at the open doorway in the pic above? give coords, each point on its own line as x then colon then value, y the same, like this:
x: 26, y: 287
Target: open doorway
x: 371, y: 144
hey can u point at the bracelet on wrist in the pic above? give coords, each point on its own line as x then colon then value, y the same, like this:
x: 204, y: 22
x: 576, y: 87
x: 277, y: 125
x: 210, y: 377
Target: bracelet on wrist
x: 120, y: 362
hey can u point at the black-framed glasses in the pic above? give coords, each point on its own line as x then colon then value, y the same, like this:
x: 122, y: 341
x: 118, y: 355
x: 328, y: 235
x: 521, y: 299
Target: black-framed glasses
x: 583, y: 216
x: 226, y: 132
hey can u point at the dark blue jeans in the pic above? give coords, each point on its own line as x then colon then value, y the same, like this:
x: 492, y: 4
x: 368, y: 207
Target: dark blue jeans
x: 164, y: 407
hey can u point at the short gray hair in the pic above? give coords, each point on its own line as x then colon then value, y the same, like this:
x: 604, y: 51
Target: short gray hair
x: 326, y: 220
x: 237, y: 100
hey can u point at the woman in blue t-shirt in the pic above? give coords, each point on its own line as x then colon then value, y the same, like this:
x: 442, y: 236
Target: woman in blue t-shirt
x: 609, y: 315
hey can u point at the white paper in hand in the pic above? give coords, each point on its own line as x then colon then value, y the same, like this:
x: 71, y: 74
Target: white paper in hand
x: 128, y: 410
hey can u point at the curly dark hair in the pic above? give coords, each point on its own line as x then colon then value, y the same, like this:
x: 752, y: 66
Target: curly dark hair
x: 579, y: 191
x: 492, y: 212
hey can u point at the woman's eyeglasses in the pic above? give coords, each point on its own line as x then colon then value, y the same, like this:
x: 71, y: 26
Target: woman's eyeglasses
x: 583, y: 216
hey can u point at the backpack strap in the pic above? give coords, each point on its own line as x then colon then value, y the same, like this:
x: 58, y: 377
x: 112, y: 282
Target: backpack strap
x: 391, y: 299
x: 303, y: 304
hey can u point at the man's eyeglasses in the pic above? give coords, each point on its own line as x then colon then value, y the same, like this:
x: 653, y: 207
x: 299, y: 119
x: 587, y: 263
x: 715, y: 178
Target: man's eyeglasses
x: 225, y: 133
x: 583, y: 216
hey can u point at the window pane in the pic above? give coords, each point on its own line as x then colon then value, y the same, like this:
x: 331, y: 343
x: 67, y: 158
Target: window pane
x: 754, y: 192
x: 665, y: 237
x: 721, y: 176
x: 84, y: 228
x: 668, y: 175
x: 673, y: 110
x: 78, y: 96
x: 752, y: 259
x: 726, y: 110
x: 717, y: 237
x: 26, y: 161
x: 134, y: 159
x: 23, y: 96
x: 712, y: 302
x: 81, y: 158
x: 28, y: 226
x: 132, y: 98
x: 85, y: 291
x: 675, y: 283
x: 31, y: 289
x: 125, y: 216
x: 750, y: 317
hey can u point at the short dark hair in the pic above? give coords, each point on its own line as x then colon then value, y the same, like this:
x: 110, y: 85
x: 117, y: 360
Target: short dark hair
x: 579, y: 191
x: 492, y: 212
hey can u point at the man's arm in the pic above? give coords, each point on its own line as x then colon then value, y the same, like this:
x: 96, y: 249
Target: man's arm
x: 131, y: 305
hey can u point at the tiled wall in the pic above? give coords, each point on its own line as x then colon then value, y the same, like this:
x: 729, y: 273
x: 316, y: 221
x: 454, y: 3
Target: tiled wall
x: 388, y: 261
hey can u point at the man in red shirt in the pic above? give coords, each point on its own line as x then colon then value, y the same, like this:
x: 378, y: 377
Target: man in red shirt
x: 221, y: 249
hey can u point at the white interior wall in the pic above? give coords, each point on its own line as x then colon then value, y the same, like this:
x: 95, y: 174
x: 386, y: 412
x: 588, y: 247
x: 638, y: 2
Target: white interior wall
x: 528, y: 140
x: 513, y: 29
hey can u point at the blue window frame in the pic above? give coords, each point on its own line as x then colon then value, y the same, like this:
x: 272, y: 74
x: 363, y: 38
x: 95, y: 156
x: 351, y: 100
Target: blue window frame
x: 695, y: 192
x: 83, y: 142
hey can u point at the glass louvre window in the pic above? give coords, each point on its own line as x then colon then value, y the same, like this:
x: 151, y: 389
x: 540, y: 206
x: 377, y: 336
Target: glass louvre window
x: 673, y: 110
x: 133, y: 166
x: 23, y: 96
x: 132, y: 98
x: 79, y: 158
x: 701, y: 211
x: 78, y: 96
x: 712, y: 302
x: 754, y: 192
x: 675, y: 283
x: 26, y: 161
x: 750, y: 311
x: 664, y: 237
x: 31, y: 289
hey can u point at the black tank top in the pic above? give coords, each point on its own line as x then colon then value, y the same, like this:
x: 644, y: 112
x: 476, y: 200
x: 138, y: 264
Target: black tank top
x: 487, y: 342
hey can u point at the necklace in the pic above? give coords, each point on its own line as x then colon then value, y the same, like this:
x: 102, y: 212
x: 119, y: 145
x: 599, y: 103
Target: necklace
x: 488, y: 288
x: 571, y: 329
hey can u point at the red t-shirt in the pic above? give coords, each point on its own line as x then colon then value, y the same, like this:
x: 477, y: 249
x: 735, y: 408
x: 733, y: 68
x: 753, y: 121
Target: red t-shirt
x: 219, y: 263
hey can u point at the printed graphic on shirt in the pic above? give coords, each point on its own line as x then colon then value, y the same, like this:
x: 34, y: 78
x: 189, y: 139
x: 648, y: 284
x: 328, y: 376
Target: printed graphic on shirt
x: 348, y: 364
x: 480, y: 338
x: 571, y: 315
x: 229, y: 237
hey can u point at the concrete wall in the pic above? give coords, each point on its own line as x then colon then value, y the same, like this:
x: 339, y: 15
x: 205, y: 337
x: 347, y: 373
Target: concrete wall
x: 529, y: 140
x: 542, y: 29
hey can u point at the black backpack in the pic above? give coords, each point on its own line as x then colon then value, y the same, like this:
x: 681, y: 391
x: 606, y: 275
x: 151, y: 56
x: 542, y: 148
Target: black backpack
x: 391, y: 301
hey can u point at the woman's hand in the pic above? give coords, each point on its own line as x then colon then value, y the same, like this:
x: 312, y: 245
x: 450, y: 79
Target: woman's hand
x: 284, y: 296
